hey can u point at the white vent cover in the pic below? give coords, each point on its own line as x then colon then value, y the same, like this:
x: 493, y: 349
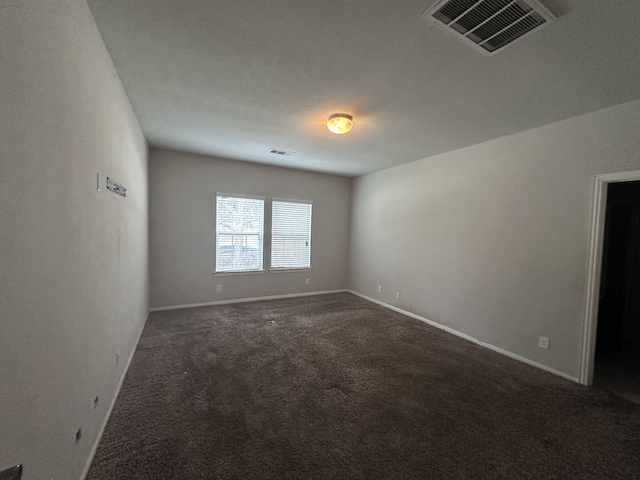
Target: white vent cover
x: 489, y: 25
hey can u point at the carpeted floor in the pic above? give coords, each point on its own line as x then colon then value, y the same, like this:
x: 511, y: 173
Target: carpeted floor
x: 334, y: 387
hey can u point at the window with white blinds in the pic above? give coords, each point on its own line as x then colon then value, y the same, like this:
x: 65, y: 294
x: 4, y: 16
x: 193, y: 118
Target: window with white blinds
x: 239, y: 233
x: 290, y: 235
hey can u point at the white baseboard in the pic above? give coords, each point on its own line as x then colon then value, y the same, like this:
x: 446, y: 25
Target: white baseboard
x: 87, y: 466
x: 245, y: 300
x: 470, y: 338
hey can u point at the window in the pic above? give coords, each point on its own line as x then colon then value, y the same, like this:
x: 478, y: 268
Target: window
x: 239, y: 233
x: 291, y: 235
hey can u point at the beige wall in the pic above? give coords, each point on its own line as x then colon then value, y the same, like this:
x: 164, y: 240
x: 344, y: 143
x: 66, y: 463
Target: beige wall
x: 492, y: 240
x: 182, y: 200
x: 73, y: 261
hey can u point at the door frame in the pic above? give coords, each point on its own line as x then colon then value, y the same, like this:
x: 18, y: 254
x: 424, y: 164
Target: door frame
x: 594, y: 267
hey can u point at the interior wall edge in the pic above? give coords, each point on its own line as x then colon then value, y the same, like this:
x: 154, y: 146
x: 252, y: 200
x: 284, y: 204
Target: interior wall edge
x: 74, y: 267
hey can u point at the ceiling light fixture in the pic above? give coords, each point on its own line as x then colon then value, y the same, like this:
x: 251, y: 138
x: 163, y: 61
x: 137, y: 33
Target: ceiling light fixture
x: 340, y: 123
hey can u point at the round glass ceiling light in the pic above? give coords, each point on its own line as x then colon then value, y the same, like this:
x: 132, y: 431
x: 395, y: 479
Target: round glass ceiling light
x: 340, y: 123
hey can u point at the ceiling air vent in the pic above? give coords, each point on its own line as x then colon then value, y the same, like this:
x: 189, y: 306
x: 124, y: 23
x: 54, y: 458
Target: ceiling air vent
x: 489, y: 25
x: 282, y: 153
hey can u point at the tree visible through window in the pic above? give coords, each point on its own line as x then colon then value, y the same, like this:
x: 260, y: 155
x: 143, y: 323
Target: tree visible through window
x: 290, y: 235
x: 239, y: 233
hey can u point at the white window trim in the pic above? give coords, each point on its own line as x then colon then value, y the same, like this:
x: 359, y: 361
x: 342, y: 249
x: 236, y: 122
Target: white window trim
x: 242, y: 272
x: 291, y: 200
x: 290, y: 269
x: 232, y: 273
x: 240, y: 195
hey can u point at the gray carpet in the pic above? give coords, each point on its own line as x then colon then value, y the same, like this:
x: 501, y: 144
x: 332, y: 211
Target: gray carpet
x: 336, y: 387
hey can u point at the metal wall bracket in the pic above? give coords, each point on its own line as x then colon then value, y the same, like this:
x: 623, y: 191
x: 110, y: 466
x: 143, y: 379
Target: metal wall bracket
x: 116, y: 188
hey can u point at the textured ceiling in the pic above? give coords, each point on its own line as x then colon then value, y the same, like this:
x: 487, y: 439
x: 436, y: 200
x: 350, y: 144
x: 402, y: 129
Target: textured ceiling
x: 236, y: 78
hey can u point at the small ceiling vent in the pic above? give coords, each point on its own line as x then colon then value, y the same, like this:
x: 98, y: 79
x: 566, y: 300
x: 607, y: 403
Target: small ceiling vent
x: 282, y: 153
x: 489, y: 25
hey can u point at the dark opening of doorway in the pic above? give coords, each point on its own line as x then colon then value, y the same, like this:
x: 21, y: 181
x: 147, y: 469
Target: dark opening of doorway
x: 617, y: 365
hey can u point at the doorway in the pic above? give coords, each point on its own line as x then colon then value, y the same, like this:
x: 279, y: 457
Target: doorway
x: 617, y: 355
x: 604, y: 288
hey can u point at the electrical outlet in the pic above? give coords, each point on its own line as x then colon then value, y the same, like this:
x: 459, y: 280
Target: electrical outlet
x: 306, y: 281
x: 397, y: 294
x: 543, y: 342
x: 218, y: 288
x: 379, y: 288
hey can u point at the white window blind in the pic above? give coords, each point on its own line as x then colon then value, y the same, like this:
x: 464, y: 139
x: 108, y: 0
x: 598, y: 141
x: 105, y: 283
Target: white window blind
x: 239, y: 233
x: 290, y: 235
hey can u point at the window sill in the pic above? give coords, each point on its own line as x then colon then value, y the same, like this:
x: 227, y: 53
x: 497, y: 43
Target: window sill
x: 289, y: 270
x: 238, y: 272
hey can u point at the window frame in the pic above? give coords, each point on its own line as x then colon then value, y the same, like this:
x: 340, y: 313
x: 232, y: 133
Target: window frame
x: 262, y: 237
x: 273, y: 269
